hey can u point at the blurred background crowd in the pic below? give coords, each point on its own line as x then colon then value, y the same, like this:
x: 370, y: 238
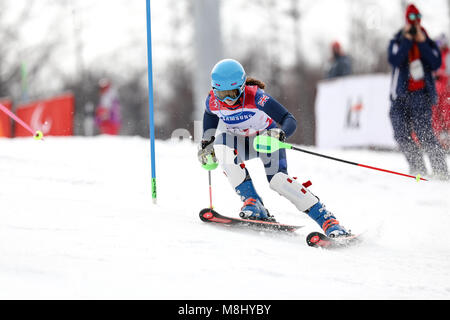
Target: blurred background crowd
x: 96, y: 51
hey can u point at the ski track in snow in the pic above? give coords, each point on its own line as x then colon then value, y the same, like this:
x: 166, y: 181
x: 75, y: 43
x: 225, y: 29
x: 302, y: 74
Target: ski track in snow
x: 77, y: 222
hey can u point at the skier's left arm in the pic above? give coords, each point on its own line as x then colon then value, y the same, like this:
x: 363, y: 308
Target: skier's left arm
x: 430, y: 54
x: 277, y: 112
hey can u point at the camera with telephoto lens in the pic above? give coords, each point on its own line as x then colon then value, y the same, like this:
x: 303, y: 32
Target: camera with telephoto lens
x: 413, y: 31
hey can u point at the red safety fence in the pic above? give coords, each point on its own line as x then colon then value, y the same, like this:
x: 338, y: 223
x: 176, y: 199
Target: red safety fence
x: 54, y: 116
x: 5, y: 121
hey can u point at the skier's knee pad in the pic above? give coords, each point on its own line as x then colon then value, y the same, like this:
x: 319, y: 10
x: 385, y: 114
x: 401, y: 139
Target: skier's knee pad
x: 289, y: 188
x: 231, y: 164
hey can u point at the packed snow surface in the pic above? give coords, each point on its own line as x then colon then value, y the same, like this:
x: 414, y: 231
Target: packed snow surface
x: 77, y: 222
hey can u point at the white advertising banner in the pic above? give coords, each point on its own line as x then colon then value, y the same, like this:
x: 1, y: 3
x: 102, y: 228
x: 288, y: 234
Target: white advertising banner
x: 353, y: 111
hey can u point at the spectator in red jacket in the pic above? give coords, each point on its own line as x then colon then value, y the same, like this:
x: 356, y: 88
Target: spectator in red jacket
x: 107, y: 115
x: 441, y: 114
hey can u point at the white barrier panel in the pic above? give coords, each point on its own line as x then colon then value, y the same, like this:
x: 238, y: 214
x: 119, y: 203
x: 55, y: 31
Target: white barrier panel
x: 353, y: 111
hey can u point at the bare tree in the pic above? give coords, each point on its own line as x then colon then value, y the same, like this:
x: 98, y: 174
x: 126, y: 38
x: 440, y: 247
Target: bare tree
x: 10, y: 72
x: 17, y: 55
x: 134, y: 99
x: 368, y: 46
x: 300, y: 82
x: 177, y: 104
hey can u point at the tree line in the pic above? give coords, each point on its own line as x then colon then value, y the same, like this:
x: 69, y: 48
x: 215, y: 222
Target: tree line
x: 293, y: 84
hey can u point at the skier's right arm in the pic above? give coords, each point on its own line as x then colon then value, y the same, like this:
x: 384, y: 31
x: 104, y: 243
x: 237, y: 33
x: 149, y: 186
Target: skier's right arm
x: 210, y: 122
x: 398, y: 50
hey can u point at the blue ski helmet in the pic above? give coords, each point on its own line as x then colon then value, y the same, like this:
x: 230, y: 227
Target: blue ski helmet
x: 228, y: 80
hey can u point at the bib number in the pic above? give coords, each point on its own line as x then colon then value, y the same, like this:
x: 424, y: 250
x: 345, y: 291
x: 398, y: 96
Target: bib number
x: 416, y: 70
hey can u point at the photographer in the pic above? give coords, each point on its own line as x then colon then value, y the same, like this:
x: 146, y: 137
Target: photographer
x: 414, y: 57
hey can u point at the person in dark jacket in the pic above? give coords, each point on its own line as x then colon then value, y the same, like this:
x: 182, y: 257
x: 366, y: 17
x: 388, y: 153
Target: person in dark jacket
x: 341, y: 64
x: 414, y: 57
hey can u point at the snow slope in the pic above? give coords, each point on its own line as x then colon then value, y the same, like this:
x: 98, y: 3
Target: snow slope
x: 77, y: 222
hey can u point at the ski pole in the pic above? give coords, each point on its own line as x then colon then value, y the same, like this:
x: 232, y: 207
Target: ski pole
x: 210, y: 165
x: 210, y: 190
x: 266, y: 144
x: 150, y: 100
x: 38, y: 135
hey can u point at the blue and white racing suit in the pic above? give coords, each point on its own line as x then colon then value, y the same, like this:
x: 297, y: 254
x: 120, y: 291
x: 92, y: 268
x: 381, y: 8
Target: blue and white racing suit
x: 254, y: 113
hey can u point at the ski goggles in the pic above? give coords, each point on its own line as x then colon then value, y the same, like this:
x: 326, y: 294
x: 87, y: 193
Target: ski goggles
x: 223, y: 95
x: 414, y: 16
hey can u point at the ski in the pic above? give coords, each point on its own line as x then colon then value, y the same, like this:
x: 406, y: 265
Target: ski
x: 210, y: 215
x: 319, y: 240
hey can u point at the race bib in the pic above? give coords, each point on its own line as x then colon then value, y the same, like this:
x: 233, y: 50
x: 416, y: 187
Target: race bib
x: 416, y: 70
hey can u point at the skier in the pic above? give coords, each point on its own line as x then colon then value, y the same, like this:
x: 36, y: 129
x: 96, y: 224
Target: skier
x: 247, y: 111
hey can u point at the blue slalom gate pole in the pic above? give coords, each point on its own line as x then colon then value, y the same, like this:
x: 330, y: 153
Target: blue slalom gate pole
x: 150, y: 100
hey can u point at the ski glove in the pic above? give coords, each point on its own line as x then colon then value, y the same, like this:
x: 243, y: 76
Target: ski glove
x: 206, y: 154
x: 276, y: 133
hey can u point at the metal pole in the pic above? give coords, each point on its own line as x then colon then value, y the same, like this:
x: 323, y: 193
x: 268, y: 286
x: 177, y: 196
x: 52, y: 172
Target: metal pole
x: 150, y: 101
x: 208, y: 50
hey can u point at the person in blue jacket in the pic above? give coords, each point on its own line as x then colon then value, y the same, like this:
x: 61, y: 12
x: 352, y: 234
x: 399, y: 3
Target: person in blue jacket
x: 246, y: 110
x: 414, y: 57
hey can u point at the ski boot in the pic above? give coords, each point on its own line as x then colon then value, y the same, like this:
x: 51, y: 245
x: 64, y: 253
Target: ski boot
x: 327, y: 221
x: 253, y: 208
